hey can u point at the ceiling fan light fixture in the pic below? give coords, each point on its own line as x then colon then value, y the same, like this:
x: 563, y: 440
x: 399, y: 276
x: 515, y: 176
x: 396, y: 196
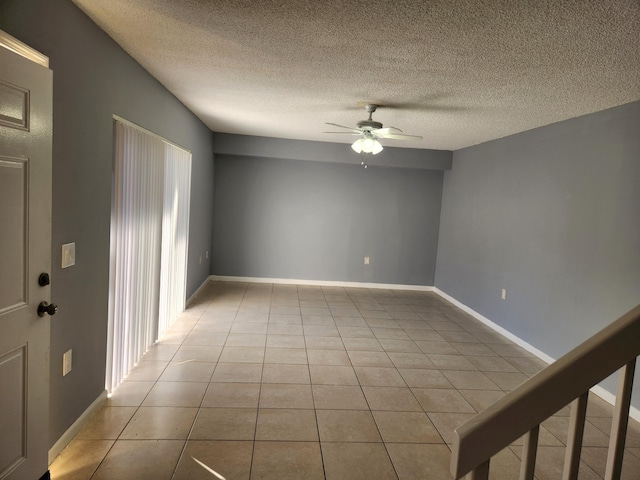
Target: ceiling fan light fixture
x: 367, y: 145
x: 376, y: 147
x: 370, y: 131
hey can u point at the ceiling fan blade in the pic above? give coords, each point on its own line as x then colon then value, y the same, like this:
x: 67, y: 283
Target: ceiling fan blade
x: 342, y: 126
x: 386, y: 131
x: 348, y: 133
x: 401, y: 136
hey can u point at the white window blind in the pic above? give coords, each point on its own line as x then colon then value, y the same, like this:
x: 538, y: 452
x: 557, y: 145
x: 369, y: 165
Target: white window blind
x: 175, y: 233
x: 149, y: 230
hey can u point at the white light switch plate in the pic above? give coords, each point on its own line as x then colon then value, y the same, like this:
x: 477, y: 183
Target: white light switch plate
x: 66, y: 362
x: 68, y: 254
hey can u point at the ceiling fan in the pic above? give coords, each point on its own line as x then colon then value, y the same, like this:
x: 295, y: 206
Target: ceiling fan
x: 370, y: 131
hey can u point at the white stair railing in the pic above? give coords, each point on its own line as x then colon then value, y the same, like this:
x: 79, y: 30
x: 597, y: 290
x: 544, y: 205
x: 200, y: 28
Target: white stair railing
x: 566, y: 381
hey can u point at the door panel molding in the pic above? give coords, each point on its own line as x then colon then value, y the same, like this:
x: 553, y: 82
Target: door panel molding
x: 14, y: 106
x: 13, y: 371
x: 14, y: 239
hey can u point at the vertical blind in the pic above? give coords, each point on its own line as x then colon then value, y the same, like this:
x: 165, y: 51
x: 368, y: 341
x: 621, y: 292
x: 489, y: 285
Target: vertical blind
x: 175, y: 231
x: 149, y: 234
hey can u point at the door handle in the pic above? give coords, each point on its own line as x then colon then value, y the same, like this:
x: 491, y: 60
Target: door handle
x: 44, y: 307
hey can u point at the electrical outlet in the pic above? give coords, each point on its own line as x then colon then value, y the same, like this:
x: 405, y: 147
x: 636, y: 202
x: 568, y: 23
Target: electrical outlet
x: 200, y: 259
x: 367, y: 260
x: 504, y: 294
x: 66, y: 362
x: 206, y: 254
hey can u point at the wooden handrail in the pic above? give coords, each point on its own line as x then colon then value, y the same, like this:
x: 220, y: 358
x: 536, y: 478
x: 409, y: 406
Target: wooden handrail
x: 544, y: 394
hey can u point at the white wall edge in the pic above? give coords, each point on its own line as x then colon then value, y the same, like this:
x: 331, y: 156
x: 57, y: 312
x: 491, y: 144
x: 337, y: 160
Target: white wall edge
x: 596, y: 390
x: 198, y: 291
x: 322, y: 283
x: 73, y: 430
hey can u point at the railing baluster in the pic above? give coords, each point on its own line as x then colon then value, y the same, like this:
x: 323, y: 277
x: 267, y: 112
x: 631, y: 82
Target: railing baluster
x: 529, y: 451
x: 481, y: 472
x: 574, y: 437
x: 620, y: 421
x: 567, y: 380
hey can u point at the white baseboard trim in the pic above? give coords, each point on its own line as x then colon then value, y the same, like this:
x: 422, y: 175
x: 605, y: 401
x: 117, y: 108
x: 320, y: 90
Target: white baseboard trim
x: 505, y: 333
x: 198, y: 291
x: 73, y: 430
x: 596, y: 390
x: 321, y: 283
x: 609, y: 397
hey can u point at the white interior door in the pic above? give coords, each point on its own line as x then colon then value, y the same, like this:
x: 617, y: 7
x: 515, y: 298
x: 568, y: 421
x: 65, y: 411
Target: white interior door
x: 25, y: 253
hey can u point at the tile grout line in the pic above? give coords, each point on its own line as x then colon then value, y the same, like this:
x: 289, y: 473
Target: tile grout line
x: 384, y: 444
x: 255, y: 428
x: 195, y: 419
x: 137, y: 409
x: 313, y: 397
x: 334, y: 302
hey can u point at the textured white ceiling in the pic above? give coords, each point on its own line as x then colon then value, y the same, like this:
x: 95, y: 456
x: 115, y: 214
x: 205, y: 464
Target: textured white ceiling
x: 457, y: 72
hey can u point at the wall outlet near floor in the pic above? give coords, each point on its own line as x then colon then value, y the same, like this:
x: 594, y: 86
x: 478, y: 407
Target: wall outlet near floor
x: 367, y: 260
x: 503, y: 296
x: 206, y: 254
x: 66, y: 363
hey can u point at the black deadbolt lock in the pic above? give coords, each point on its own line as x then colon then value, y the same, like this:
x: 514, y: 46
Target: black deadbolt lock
x: 43, y: 279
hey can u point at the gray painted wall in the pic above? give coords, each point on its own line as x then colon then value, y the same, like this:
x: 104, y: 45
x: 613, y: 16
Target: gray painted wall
x: 553, y: 216
x: 282, y: 218
x: 94, y: 79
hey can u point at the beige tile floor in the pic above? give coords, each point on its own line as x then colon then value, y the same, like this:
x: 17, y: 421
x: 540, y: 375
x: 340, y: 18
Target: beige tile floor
x: 260, y: 381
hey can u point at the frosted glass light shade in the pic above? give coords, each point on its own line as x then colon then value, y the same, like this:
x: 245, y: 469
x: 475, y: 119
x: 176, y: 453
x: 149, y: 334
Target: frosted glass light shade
x: 376, y: 147
x: 367, y: 145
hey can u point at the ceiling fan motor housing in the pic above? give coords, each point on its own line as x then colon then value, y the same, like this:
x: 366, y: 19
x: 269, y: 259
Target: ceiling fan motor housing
x: 369, y: 125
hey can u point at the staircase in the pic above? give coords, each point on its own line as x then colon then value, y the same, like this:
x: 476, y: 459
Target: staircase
x: 565, y: 382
